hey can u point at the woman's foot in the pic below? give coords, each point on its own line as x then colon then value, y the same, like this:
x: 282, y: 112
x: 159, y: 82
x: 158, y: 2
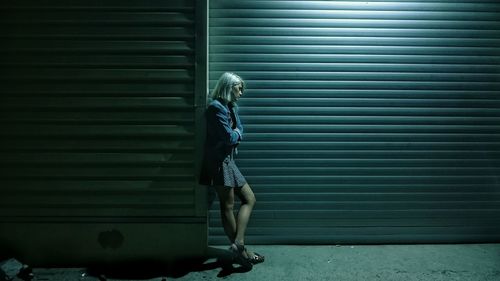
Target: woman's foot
x: 240, y: 255
x: 255, y: 258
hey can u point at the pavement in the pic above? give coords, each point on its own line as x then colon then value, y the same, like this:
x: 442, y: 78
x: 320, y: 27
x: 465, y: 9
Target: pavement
x: 464, y: 262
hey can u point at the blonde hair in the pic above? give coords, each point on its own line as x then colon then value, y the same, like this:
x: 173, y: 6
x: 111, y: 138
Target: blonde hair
x: 224, y: 88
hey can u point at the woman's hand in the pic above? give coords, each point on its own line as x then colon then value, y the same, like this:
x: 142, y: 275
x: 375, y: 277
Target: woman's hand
x: 239, y: 133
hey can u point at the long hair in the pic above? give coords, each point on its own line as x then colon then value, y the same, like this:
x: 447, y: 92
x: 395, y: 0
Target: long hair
x: 224, y: 88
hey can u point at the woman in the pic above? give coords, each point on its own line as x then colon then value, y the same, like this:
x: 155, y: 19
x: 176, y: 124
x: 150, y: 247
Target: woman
x: 224, y: 133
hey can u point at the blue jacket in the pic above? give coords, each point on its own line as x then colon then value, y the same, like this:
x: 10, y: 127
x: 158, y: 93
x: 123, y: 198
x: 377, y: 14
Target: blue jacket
x: 223, y: 135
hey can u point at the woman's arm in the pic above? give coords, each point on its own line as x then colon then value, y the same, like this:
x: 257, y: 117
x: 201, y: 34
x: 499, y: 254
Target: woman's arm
x: 238, y: 122
x: 219, y: 119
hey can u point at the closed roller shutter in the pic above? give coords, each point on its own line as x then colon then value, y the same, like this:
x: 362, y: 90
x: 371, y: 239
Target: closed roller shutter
x: 98, y: 112
x: 366, y: 122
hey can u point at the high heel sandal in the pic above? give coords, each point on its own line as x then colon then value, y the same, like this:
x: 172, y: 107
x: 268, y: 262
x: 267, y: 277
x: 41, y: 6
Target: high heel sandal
x: 257, y: 258
x: 239, y: 252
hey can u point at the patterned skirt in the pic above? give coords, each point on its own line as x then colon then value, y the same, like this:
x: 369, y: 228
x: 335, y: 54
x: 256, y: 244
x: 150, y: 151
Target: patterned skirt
x: 225, y: 173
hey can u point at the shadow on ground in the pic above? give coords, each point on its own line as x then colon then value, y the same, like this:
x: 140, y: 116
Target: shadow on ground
x: 143, y: 270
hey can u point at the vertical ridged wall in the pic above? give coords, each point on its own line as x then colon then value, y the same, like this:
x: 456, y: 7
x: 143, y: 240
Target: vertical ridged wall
x: 366, y: 122
x: 97, y: 110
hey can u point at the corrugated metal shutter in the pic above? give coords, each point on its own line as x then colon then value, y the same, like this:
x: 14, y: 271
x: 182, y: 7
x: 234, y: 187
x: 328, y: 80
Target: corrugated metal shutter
x: 366, y: 122
x: 98, y: 110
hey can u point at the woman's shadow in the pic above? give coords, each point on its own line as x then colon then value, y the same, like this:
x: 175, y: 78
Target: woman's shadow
x: 144, y: 270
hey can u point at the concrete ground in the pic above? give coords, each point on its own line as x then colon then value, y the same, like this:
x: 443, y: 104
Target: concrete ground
x: 467, y: 262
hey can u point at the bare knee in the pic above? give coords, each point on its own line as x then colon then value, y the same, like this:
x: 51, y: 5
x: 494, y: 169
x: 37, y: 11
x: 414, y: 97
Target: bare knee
x: 252, y: 200
x: 226, y: 199
x: 249, y: 199
x: 227, y: 206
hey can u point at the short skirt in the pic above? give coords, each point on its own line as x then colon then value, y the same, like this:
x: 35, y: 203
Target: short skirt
x: 225, y: 174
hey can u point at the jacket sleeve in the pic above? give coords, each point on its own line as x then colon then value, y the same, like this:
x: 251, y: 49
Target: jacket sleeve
x: 238, y: 123
x: 218, y: 118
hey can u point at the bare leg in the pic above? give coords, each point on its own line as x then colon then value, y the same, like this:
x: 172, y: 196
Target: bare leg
x: 226, y: 200
x: 247, y: 203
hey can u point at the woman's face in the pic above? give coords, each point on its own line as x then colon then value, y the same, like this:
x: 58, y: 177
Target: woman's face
x: 237, y: 91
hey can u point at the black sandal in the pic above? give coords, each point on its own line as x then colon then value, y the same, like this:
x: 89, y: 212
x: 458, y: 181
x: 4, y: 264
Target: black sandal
x: 239, y: 252
x: 257, y: 258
